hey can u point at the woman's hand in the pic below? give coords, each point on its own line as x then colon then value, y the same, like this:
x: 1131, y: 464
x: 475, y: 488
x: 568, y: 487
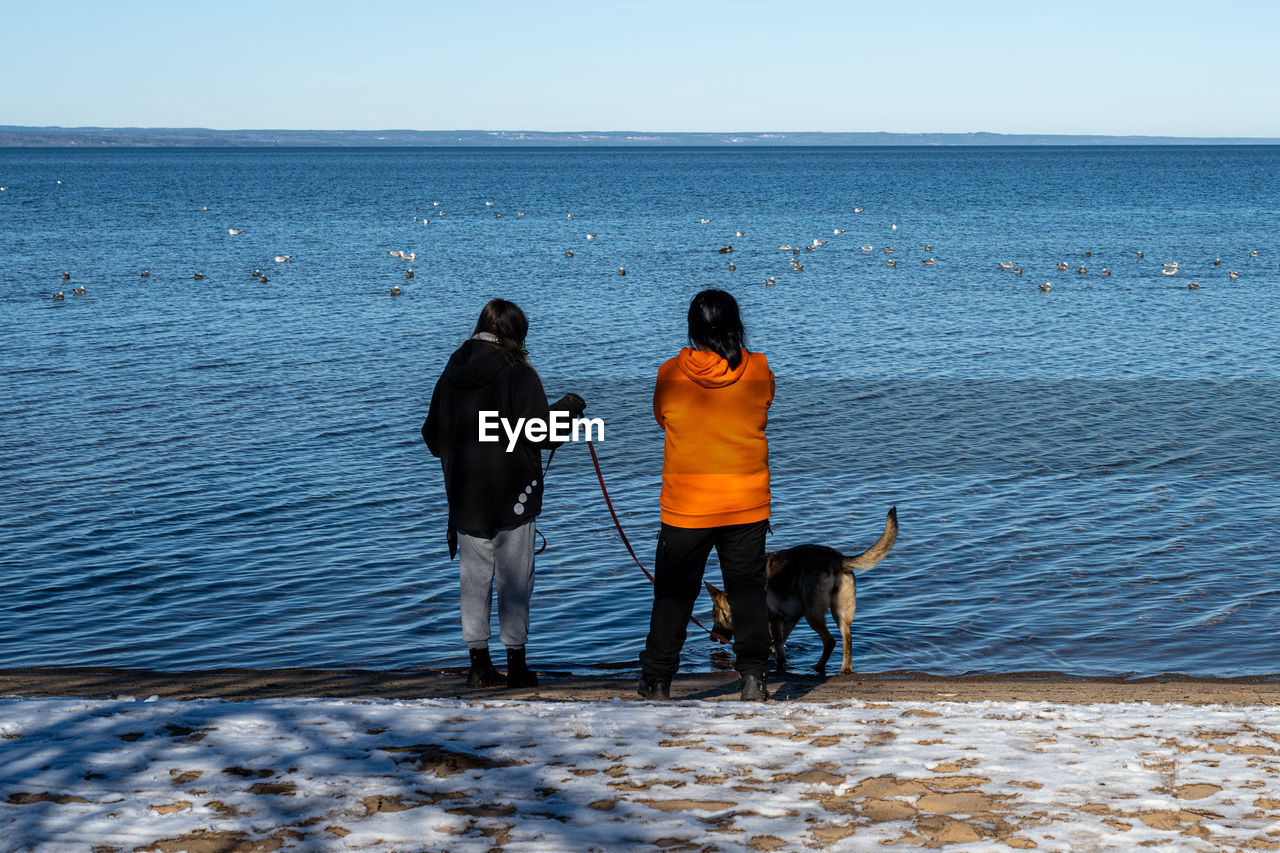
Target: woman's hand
x: 571, y: 403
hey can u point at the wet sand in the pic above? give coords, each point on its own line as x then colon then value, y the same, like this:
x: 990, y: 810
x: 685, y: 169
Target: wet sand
x: 245, y: 684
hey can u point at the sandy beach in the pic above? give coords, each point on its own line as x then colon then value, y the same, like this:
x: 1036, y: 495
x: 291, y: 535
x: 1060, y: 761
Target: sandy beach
x: 240, y: 760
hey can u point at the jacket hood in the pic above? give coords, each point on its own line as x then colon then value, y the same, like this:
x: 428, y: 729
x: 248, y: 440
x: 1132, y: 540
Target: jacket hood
x: 474, y: 364
x: 708, y: 369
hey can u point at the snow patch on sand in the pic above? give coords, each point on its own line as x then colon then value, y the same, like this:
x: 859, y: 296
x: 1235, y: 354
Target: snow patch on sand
x: 537, y: 776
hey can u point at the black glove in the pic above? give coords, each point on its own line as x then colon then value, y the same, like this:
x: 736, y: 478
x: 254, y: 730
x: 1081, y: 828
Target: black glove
x: 571, y: 403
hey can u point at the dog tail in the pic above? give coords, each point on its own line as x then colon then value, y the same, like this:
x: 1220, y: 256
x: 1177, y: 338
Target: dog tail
x: 880, y: 550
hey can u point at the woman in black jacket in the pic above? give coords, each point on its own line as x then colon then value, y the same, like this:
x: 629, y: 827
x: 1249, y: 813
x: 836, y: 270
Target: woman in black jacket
x: 494, y: 487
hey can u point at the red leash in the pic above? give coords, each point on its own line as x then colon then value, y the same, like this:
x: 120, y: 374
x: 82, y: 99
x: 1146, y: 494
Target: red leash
x: 618, y: 524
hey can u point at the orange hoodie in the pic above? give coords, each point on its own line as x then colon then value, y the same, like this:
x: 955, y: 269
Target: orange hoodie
x: 715, y: 464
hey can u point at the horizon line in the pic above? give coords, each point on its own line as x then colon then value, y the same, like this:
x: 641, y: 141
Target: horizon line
x: 95, y: 136
x: 579, y: 131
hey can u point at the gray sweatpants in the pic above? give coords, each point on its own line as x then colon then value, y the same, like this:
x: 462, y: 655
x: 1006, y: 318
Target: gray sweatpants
x: 506, y: 556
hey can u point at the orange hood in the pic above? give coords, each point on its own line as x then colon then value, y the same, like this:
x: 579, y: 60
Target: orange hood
x: 708, y: 369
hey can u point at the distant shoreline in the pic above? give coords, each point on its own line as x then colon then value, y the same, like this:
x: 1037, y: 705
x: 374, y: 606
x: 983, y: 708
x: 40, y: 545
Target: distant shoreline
x: 17, y: 136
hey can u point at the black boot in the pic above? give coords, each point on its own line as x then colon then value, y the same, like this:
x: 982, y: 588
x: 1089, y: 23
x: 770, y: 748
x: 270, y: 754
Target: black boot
x: 482, y: 672
x: 752, y: 686
x: 654, y: 687
x: 518, y: 673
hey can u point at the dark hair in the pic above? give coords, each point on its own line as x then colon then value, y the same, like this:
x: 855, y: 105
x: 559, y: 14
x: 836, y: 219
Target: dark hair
x: 715, y: 325
x: 505, y: 321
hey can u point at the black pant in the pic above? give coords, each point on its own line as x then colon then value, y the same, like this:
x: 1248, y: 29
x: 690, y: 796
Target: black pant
x: 682, y: 558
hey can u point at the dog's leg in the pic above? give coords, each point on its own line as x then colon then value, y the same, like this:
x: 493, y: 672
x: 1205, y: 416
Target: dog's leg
x: 844, y: 604
x: 777, y: 630
x: 818, y: 622
x: 846, y: 663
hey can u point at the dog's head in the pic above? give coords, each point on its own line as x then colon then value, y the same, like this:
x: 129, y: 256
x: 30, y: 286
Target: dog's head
x: 720, y: 612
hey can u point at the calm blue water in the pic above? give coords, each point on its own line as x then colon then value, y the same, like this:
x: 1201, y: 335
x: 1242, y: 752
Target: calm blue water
x: 228, y: 473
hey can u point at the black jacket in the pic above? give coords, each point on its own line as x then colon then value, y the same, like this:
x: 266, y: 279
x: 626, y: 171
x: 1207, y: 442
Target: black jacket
x: 487, y: 487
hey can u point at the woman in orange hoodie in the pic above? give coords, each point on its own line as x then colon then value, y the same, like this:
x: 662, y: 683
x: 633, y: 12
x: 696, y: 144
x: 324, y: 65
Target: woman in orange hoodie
x: 712, y: 400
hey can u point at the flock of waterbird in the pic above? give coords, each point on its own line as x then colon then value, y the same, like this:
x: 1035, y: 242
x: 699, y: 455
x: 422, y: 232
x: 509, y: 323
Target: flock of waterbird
x: 794, y: 256
x: 1167, y: 269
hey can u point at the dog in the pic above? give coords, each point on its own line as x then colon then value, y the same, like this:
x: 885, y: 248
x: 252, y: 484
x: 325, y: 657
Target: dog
x: 807, y: 581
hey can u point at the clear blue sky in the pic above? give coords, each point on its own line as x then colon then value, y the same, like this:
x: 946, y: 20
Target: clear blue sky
x: 1166, y: 68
